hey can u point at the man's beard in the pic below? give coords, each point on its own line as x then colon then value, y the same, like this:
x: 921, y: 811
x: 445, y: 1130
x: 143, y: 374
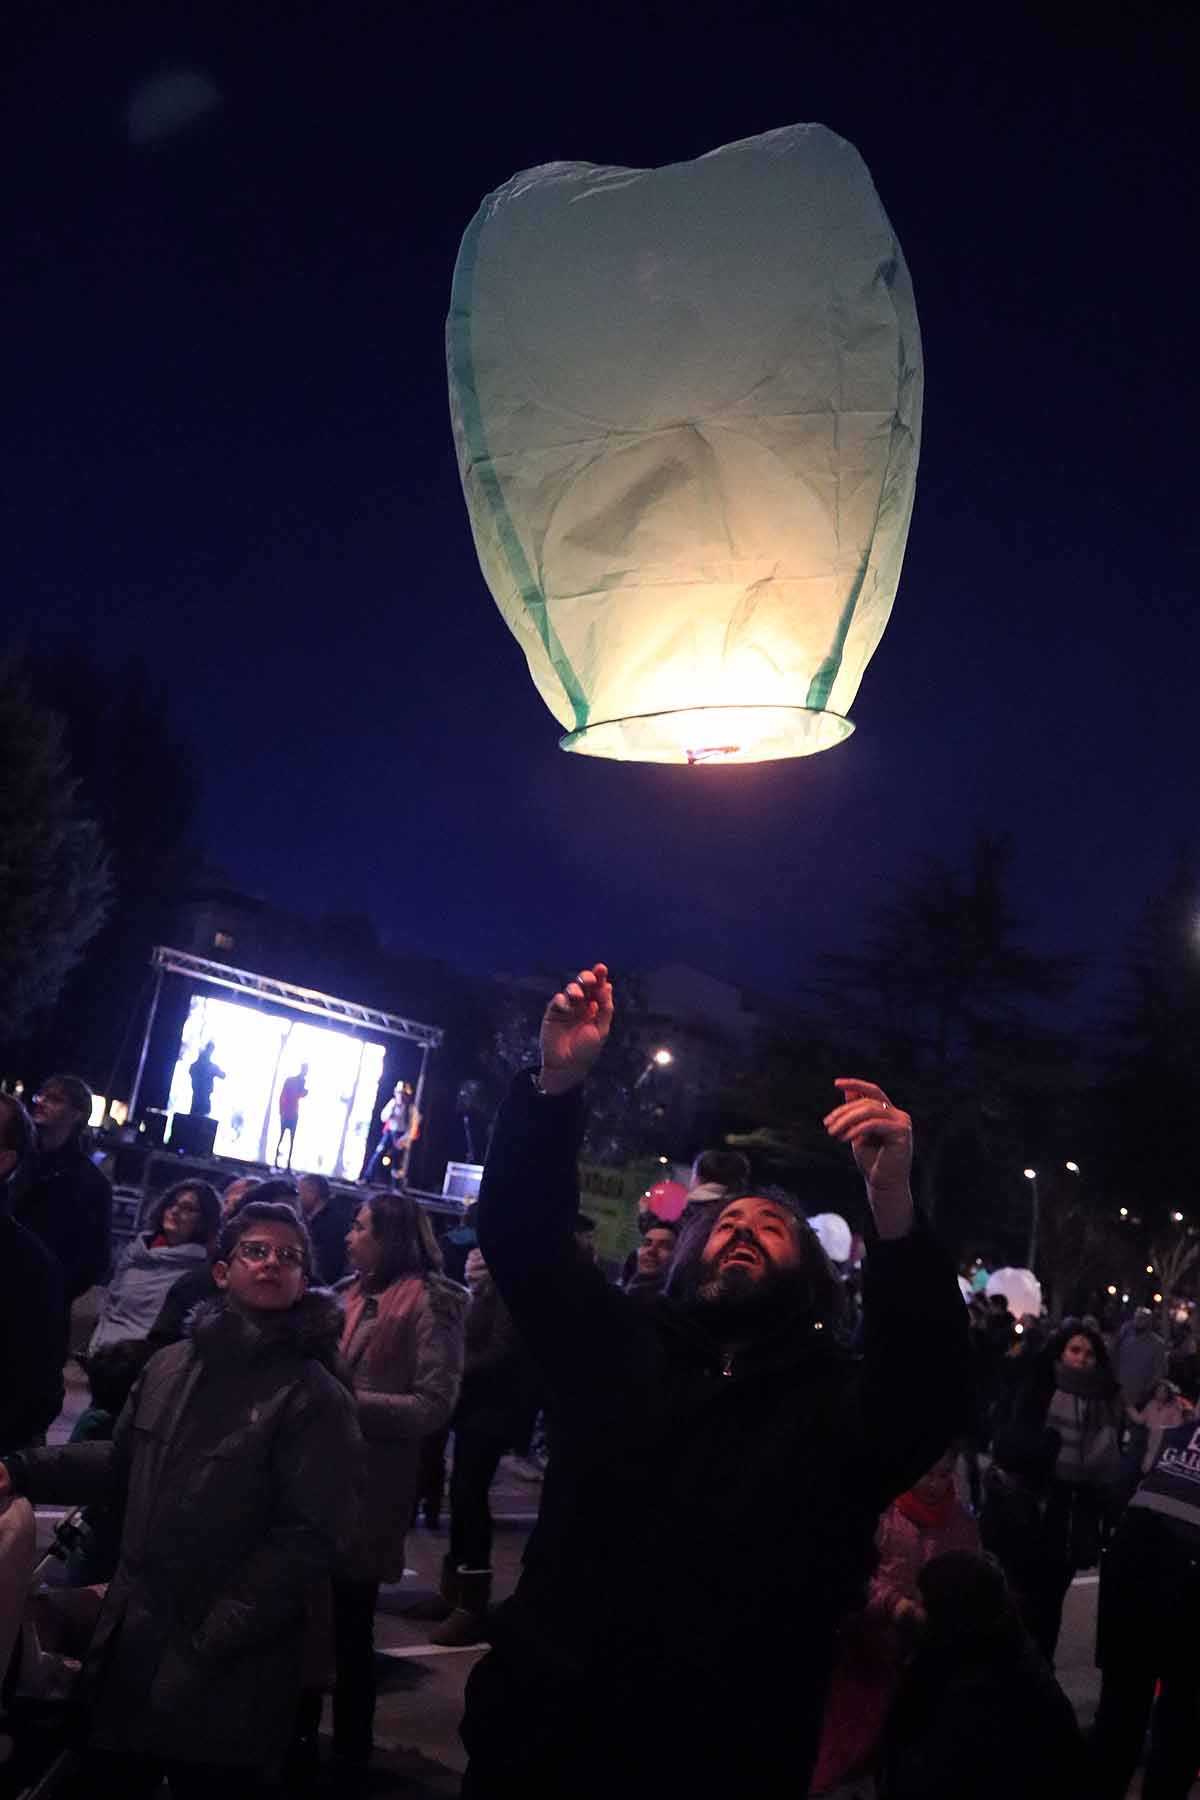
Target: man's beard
x: 728, y: 1294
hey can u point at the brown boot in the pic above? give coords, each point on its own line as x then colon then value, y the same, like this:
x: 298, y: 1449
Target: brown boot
x: 441, y: 1604
x: 467, y: 1624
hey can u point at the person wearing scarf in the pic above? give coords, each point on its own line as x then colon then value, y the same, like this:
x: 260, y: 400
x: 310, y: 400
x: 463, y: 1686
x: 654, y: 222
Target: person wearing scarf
x: 402, y: 1339
x: 1056, y: 1464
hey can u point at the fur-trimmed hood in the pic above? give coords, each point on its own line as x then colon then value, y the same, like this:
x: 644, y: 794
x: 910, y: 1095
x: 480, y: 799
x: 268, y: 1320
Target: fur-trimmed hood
x: 310, y: 1328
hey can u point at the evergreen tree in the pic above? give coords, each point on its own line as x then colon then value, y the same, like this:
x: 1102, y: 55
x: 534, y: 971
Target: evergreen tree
x: 948, y: 1005
x: 1145, y: 1111
x: 138, y: 777
x: 55, y: 884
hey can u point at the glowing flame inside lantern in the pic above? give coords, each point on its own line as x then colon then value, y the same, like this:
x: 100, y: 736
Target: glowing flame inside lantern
x: 712, y: 734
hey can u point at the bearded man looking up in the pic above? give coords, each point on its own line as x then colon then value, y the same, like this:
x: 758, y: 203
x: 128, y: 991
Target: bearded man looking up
x: 718, y: 1461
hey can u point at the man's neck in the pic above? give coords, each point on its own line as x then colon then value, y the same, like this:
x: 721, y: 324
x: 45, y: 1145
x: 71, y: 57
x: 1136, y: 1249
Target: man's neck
x: 57, y: 1141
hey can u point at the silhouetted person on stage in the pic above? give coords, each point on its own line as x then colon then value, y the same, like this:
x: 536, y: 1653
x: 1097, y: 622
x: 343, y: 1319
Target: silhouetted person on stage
x: 291, y: 1094
x: 396, y: 1119
x: 203, y: 1073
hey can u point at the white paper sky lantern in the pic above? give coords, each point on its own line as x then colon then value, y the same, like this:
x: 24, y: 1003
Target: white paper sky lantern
x: 834, y: 1234
x: 1020, y: 1287
x: 686, y: 403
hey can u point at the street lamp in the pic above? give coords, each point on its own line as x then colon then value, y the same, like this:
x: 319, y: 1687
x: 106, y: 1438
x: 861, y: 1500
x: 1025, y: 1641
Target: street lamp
x: 1072, y: 1168
x: 1031, y: 1177
x: 1112, y: 1290
x: 659, y: 1059
x: 1177, y: 1218
x: 1124, y: 1212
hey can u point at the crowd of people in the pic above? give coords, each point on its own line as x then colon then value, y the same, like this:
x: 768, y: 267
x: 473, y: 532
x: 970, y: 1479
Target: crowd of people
x: 834, y: 1524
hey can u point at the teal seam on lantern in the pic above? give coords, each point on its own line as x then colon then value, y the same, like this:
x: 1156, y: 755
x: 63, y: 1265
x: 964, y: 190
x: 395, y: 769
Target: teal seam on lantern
x: 822, y: 682
x: 531, y: 594
x: 821, y: 685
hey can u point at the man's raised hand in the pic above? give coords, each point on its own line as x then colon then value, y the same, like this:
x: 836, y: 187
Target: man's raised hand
x: 574, y: 1028
x: 880, y: 1136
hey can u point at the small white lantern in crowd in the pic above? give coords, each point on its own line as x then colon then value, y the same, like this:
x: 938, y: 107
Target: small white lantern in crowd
x: 1020, y: 1287
x: 834, y: 1234
x: 686, y: 404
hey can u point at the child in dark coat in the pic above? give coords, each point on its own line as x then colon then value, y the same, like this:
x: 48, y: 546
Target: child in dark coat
x: 980, y: 1712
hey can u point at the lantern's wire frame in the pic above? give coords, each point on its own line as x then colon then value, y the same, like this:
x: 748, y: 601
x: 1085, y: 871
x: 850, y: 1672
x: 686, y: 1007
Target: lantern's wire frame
x: 572, y: 739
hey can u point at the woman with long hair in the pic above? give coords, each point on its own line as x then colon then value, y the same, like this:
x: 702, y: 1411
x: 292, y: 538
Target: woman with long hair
x: 1047, y: 1502
x: 403, y: 1342
x: 179, y: 1235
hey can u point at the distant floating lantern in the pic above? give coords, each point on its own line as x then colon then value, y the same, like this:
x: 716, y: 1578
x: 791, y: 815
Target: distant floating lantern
x: 686, y: 403
x: 834, y: 1234
x: 1020, y: 1287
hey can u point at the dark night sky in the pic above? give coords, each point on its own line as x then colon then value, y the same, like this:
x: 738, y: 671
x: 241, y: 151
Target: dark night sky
x: 226, y: 411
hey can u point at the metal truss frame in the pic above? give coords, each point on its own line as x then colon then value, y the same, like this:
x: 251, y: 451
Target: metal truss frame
x: 285, y: 993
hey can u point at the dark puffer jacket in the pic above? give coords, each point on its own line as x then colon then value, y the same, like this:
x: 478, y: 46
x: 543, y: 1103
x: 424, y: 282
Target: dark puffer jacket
x: 33, y: 1335
x: 239, y: 1458
x: 705, y: 1517
x: 65, y: 1201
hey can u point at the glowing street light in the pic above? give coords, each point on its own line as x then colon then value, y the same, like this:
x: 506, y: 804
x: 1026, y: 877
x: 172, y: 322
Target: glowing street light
x: 1112, y: 1289
x: 1158, y: 1299
x: 1031, y: 1177
x: 1124, y: 1212
x: 1125, y: 1299
x: 1177, y: 1218
x: 659, y: 1059
x: 687, y: 410
x: 1072, y: 1168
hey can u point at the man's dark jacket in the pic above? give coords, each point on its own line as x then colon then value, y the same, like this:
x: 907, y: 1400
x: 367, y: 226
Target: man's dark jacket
x: 239, y: 1458
x: 33, y: 1335
x: 501, y: 1390
x: 705, y: 1519
x: 327, y: 1230
x: 66, y: 1202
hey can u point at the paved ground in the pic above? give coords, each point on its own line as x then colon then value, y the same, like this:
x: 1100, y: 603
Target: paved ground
x: 421, y: 1686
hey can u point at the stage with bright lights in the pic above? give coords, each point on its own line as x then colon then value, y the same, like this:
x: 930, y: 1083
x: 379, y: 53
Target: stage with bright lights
x: 257, y: 1053
x: 270, y: 1038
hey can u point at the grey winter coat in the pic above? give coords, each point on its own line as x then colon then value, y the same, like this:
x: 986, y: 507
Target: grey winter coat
x: 239, y: 1458
x: 143, y: 1278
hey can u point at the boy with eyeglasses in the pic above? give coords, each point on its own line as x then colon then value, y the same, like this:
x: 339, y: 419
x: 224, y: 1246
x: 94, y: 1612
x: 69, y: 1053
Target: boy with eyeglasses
x: 238, y: 1459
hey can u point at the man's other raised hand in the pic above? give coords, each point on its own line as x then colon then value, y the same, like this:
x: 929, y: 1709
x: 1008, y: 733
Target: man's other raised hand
x: 574, y: 1029
x: 880, y: 1136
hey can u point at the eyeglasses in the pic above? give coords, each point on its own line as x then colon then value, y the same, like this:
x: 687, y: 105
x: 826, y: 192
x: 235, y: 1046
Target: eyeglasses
x: 254, y: 1250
